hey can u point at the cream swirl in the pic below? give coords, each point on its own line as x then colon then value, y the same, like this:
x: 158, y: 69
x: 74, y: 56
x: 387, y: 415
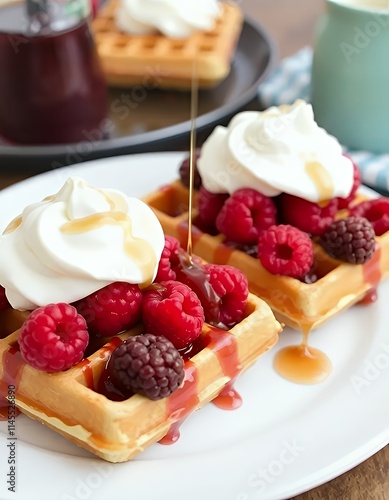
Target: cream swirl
x: 278, y: 150
x: 75, y: 242
x: 173, y: 18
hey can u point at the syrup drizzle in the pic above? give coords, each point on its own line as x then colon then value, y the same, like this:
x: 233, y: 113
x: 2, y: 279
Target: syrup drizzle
x: 321, y: 179
x: 86, y: 369
x: 13, y: 366
x: 139, y: 250
x: 182, y: 403
x: 185, y: 399
x: 223, y: 345
x: 193, y: 112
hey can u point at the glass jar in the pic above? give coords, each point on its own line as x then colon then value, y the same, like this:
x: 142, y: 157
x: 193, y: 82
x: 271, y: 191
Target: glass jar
x: 52, y: 89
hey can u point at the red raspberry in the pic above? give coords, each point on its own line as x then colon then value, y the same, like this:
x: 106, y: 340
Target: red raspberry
x: 313, y: 218
x: 345, y: 202
x: 209, y: 205
x: 350, y: 239
x: 174, y: 311
x: 244, y: 215
x: 112, y: 309
x: 285, y: 250
x: 4, y: 304
x: 146, y: 364
x: 53, y: 338
x: 169, y: 259
x: 375, y: 211
x: 231, y: 286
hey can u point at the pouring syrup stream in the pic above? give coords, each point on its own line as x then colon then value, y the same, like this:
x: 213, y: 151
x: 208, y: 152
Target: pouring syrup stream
x: 193, y: 112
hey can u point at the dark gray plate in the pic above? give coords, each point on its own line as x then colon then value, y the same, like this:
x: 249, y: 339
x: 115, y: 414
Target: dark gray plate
x: 159, y: 120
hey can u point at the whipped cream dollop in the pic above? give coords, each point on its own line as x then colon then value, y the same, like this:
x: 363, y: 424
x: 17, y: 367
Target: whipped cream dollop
x: 75, y: 242
x: 278, y: 150
x: 172, y: 18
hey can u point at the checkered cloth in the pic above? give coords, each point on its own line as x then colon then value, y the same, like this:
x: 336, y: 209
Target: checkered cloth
x: 291, y: 81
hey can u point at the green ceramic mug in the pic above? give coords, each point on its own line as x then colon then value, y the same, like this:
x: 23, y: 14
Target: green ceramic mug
x: 350, y: 73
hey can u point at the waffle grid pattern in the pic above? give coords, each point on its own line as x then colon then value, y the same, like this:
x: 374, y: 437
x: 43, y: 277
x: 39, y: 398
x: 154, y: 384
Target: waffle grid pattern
x: 297, y: 304
x: 129, y: 59
x: 69, y: 403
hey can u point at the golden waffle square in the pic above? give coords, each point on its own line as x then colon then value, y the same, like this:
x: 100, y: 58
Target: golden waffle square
x: 297, y: 304
x: 69, y: 401
x: 158, y: 61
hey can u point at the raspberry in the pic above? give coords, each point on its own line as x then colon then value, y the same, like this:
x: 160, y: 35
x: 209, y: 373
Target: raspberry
x: 244, y: 215
x: 184, y: 172
x: 231, y: 286
x: 174, y: 311
x: 53, y: 338
x: 4, y: 304
x: 169, y: 259
x: 285, y: 250
x: 376, y: 212
x: 146, y: 364
x: 345, y: 202
x: 112, y: 309
x: 313, y: 218
x: 350, y: 239
x: 209, y: 205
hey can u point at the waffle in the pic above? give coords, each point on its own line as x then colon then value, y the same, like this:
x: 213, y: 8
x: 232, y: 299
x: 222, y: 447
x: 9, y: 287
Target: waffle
x: 297, y: 304
x: 158, y: 61
x: 116, y: 431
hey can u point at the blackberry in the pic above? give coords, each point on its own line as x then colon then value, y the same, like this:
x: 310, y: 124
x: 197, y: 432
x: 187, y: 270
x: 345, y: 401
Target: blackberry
x: 146, y: 364
x: 351, y: 239
x: 185, y: 173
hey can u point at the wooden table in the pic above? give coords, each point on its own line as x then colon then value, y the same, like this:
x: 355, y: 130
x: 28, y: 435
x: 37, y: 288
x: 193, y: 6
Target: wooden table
x: 291, y: 24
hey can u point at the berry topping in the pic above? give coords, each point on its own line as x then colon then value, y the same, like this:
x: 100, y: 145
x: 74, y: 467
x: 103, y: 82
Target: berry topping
x: 4, y: 304
x: 244, y: 215
x: 146, y: 364
x: 173, y: 310
x: 169, y: 259
x: 209, y: 205
x: 345, y: 202
x: 350, y: 239
x: 231, y: 287
x: 285, y: 250
x: 313, y: 218
x: 112, y: 309
x: 184, y: 171
x: 376, y: 212
x: 53, y: 338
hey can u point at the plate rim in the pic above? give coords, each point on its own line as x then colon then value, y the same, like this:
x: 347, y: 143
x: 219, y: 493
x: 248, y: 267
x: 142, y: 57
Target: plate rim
x: 347, y: 462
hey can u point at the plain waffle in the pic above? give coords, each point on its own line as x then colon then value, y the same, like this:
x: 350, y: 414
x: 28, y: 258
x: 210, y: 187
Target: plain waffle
x: 116, y: 431
x: 158, y: 61
x: 297, y: 304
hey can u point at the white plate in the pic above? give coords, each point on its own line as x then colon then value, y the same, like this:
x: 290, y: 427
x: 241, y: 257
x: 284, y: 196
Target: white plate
x: 285, y: 439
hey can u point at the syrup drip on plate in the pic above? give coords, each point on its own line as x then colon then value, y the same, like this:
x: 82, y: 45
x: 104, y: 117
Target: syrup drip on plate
x: 303, y: 364
x: 307, y: 365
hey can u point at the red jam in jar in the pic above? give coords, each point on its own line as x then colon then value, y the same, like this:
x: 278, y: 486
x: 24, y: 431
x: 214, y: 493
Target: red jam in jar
x: 52, y: 89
